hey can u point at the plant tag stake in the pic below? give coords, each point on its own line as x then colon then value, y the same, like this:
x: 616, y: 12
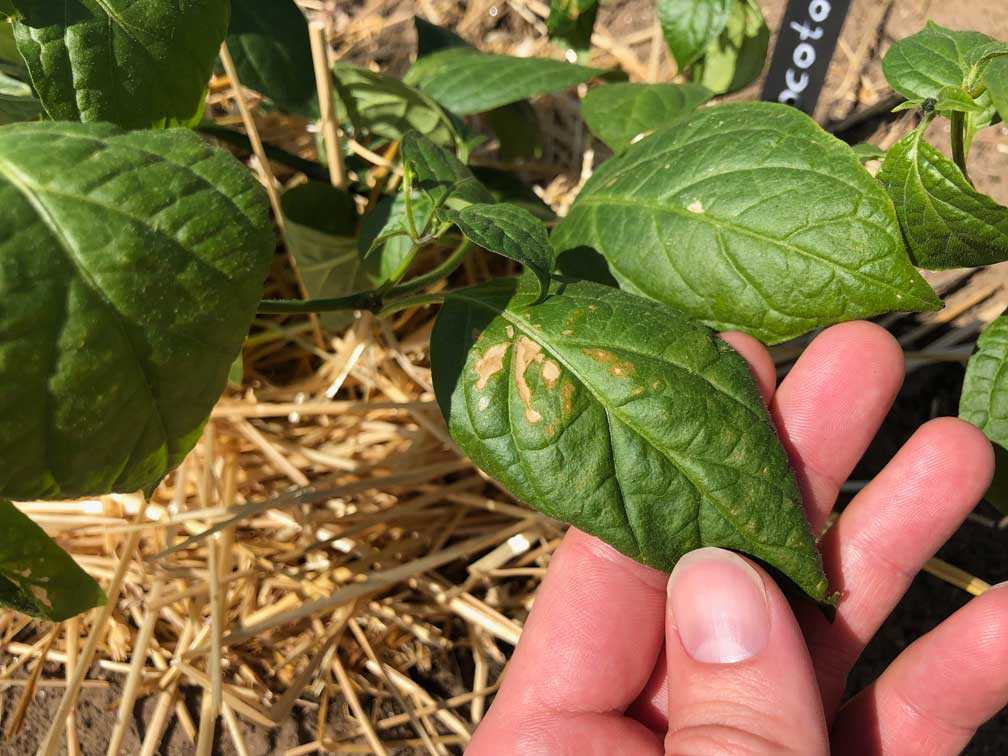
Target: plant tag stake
x: 808, y: 36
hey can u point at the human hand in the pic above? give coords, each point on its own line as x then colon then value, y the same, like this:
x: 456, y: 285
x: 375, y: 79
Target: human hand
x: 607, y: 665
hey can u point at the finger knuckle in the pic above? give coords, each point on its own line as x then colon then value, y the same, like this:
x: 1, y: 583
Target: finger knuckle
x: 721, y: 740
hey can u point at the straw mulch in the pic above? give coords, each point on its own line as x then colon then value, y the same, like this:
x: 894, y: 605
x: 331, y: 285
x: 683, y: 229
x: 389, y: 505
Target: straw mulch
x: 326, y: 552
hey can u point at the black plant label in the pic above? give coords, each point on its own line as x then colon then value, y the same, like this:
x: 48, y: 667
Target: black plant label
x: 808, y: 36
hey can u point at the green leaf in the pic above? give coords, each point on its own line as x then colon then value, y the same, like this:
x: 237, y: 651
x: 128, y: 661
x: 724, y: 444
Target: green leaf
x: 268, y: 40
x: 136, y: 64
x: 131, y: 264
x: 384, y: 241
x: 947, y: 224
x: 505, y: 186
x: 619, y: 113
x: 320, y: 225
x: 958, y: 99
x: 713, y: 215
x: 516, y: 124
x: 571, y: 22
x: 441, y: 176
x: 735, y: 59
x: 37, y: 577
x: 517, y: 129
x: 385, y: 107
x: 467, y: 81
x: 984, y: 401
x: 623, y: 417
x: 867, y: 152
x: 6, y: 8
x: 8, y: 47
x: 996, y: 79
x: 510, y: 231
x: 17, y: 101
x: 690, y: 26
x: 919, y: 66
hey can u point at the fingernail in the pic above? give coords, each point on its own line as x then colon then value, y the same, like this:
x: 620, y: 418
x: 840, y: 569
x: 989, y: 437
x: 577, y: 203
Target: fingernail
x: 718, y: 605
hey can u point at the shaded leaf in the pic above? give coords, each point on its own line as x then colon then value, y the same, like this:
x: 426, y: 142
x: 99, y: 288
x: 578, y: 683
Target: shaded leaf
x: 947, y: 224
x: 17, y: 101
x: 440, y: 175
x: 571, y: 22
x: 712, y: 215
x: 984, y: 401
x: 431, y: 37
x: 388, y: 219
x: 510, y: 231
x: 385, y: 107
x: 735, y: 58
x: 320, y: 224
x: 623, y: 417
x: 465, y: 80
x: 618, y: 113
x: 690, y: 26
x: 504, y: 186
x: 37, y: 577
x: 517, y: 129
x: 996, y: 79
x: 136, y: 64
x: 131, y: 264
x: 268, y: 40
x: 867, y: 152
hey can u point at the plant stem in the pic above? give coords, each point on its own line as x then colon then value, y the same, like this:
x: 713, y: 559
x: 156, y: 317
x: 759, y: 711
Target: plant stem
x: 416, y: 301
x: 374, y: 300
x: 363, y: 300
x: 445, y: 269
x: 959, y: 142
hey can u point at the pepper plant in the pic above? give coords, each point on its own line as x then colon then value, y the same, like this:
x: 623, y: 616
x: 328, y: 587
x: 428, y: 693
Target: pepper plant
x: 593, y: 386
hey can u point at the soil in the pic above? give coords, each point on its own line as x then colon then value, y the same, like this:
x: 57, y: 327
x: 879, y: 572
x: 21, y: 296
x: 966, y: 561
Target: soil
x: 930, y: 391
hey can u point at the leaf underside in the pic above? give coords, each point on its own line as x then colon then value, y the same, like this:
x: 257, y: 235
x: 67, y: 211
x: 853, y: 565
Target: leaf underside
x: 622, y: 417
x: 712, y: 215
x: 131, y: 264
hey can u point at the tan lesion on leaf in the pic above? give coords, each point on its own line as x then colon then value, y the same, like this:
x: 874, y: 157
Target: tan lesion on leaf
x: 526, y: 352
x: 550, y: 374
x: 489, y: 364
x: 567, y: 397
x: 617, y: 367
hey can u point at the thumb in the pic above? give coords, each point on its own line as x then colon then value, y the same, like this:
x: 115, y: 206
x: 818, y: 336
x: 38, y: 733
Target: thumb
x: 739, y: 673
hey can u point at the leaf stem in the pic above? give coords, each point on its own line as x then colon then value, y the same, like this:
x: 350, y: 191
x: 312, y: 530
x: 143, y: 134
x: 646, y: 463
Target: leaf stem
x: 419, y: 300
x: 363, y: 300
x: 958, y: 119
x: 443, y: 270
x: 375, y: 300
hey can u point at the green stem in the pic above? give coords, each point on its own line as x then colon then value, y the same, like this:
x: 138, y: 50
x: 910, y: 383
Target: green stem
x: 959, y: 141
x: 364, y: 300
x: 420, y: 300
x: 445, y: 269
x: 374, y: 300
